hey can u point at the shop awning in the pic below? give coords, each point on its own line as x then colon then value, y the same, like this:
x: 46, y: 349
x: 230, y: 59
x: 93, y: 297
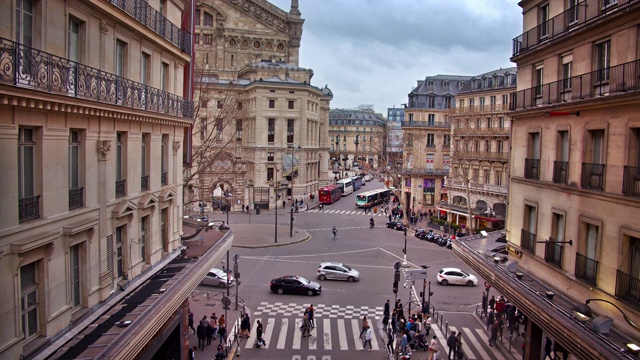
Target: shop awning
x: 453, y: 211
x: 487, y: 218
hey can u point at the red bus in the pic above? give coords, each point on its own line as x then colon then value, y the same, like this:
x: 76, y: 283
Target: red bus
x: 329, y: 194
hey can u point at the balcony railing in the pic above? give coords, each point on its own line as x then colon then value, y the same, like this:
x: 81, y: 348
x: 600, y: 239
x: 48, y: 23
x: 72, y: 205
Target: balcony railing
x: 482, y: 131
x: 154, y: 20
x: 431, y: 145
x: 163, y: 178
x: 631, y: 182
x: 619, y: 79
x: 586, y: 269
x: 424, y: 171
x: 24, y: 66
x: 76, y: 198
x: 144, y: 182
x: 121, y: 189
x: 566, y: 21
x: 592, y: 176
x: 484, y: 109
x: 458, y: 155
x: 29, y: 208
x: 553, y: 253
x: 433, y: 124
x: 628, y: 289
x: 531, y: 169
x: 528, y: 241
x: 560, y: 172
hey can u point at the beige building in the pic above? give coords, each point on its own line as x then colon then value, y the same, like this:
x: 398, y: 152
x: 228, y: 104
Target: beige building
x: 480, y: 132
x: 261, y: 126
x: 94, y: 113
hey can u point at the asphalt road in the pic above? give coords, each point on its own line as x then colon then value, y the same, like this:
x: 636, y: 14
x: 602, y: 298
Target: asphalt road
x: 341, y: 305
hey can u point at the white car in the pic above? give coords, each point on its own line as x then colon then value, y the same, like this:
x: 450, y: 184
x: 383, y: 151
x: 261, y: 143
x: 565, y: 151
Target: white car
x: 456, y: 276
x: 218, y: 278
x: 368, y: 178
x: 338, y: 271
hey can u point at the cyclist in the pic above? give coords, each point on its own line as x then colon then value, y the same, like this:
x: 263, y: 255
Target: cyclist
x: 371, y: 222
x: 335, y: 232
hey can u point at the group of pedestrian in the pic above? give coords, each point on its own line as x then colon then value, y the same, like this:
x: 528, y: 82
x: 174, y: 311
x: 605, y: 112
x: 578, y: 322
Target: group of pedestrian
x: 500, y: 312
x: 454, y: 342
x: 409, y: 329
x: 208, y: 328
x: 308, y: 321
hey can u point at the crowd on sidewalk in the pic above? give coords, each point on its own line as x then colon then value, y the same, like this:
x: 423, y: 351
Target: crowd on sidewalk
x: 208, y: 329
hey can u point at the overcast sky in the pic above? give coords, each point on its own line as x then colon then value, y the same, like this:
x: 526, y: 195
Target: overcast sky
x: 374, y: 51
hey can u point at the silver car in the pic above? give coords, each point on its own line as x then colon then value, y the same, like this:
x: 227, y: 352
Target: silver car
x: 218, y: 278
x: 338, y: 271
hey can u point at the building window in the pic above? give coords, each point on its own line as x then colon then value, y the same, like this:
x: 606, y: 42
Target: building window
x: 270, y: 156
x: 270, y: 174
x: 219, y: 129
x: 164, y: 77
x: 431, y: 140
x: 203, y: 129
x: 447, y: 102
x: 24, y: 19
x: 532, y: 161
x: 145, y: 71
x: 430, y: 161
x: 75, y: 191
x: 476, y: 146
x: 204, y: 104
x: 481, y: 103
x: 573, y: 11
x: 489, y: 123
x: 238, y: 130
x: 501, y: 122
x: 119, y: 256
x: 271, y: 130
x: 446, y: 86
x: 29, y: 300
x: 144, y: 223
x: 74, y: 272
x: 291, y: 104
x: 586, y: 258
x: 528, y: 239
x: 553, y: 251
x: 431, y: 118
x: 561, y: 164
x: 603, y: 53
x: 492, y: 100
x: 120, y: 58
x: 219, y: 104
x: 144, y: 161
x: 543, y: 21
x: 500, y: 146
x: 498, y: 177
x: 478, y: 123
x: 447, y: 141
x: 430, y: 86
x: 446, y: 162
x: 207, y: 39
x: 539, y: 77
x: 505, y: 102
x: 272, y: 104
x: 208, y: 20
x: 290, y: 128
x: 26, y: 174
x: 239, y: 105
x: 431, y: 102
x: 461, y: 104
x: 487, y: 146
x: 487, y: 177
x: 120, y: 164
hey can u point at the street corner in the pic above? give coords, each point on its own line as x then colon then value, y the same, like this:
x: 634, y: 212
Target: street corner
x: 254, y: 238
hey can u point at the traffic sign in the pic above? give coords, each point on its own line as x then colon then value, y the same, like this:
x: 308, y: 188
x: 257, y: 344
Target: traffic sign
x: 397, y: 265
x: 226, y: 301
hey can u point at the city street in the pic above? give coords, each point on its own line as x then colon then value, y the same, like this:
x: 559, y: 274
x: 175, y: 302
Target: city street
x: 341, y: 305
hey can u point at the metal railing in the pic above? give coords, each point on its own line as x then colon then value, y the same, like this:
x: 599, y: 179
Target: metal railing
x: 553, y: 253
x: 154, y: 20
x: 163, y: 178
x: 617, y: 79
x: 144, y: 183
x: 482, y: 131
x: 24, y: 66
x: 592, y: 176
x: 528, y: 241
x: 531, y: 168
x: 628, y: 289
x: 586, y: 269
x: 424, y: 171
x: 479, y: 155
x: 121, y: 189
x: 485, y: 108
x: 566, y: 21
x: 76, y: 198
x: 560, y: 172
x: 29, y: 208
x: 631, y: 181
x: 433, y: 124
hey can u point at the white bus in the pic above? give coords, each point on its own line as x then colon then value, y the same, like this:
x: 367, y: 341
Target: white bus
x: 373, y: 197
x: 346, y: 185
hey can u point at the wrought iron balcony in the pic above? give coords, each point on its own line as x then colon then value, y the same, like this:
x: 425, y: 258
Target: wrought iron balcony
x: 486, y: 108
x: 531, y: 169
x: 144, y: 183
x: 121, y: 189
x: 553, y: 253
x: 432, y: 124
x: 560, y: 172
x: 24, y: 66
x: 631, y: 182
x: 29, y: 208
x: 528, y: 241
x: 154, y: 20
x: 569, y: 20
x: 472, y: 131
x: 586, y: 269
x: 163, y: 178
x: 468, y: 155
x: 628, y: 289
x: 619, y: 79
x: 424, y: 171
x: 592, y: 176
x: 76, y: 198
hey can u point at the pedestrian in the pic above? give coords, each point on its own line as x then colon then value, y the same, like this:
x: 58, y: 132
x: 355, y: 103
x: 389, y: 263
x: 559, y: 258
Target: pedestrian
x: 220, y: 355
x: 390, y: 217
x: 459, y: 352
x: 492, y: 302
x: 390, y: 340
x: 365, y: 325
x: 201, y: 331
x: 558, y: 348
x: 433, y: 348
x: 305, y: 325
x: 494, y: 333
x: 452, y: 342
x: 385, y: 322
x: 222, y: 321
x: 209, y: 333
x: 404, y: 343
x: 427, y: 325
x: 485, y: 302
x: 400, y: 311
x: 222, y: 331
x: 191, y: 322
x: 424, y: 312
x: 387, y: 307
x: 205, y: 320
x: 259, y: 331
x: 367, y: 339
x: 284, y: 203
x: 312, y: 321
x: 547, y: 349
x: 247, y: 209
x: 245, y: 326
x: 296, y: 208
x: 411, y: 337
x: 214, y: 322
x: 500, y: 304
x: 192, y: 353
x: 490, y: 318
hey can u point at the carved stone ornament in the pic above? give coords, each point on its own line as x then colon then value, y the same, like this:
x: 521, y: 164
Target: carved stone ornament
x: 176, y: 147
x: 103, y: 28
x: 103, y: 147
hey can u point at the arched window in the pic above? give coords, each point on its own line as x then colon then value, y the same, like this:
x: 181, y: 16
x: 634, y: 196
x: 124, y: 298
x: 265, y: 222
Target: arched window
x: 208, y: 19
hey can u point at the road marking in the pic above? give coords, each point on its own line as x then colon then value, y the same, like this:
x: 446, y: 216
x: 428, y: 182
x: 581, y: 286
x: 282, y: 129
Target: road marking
x: 374, y: 340
x: 297, y: 334
x: 313, y: 338
x: 282, y: 337
x: 267, y: 334
x: 442, y: 342
x: 494, y: 349
x: 326, y: 333
x: 356, y: 334
x: 342, y: 335
x: 465, y: 347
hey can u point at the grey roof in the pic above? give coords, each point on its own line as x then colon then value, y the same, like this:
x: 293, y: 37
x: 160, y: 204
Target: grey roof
x: 353, y: 116
x: 269, y: 64
x: 438, y: 88
x: 476, y: 83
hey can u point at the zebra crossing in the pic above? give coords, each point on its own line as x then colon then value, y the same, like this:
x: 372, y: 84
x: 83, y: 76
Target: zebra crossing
x: 347, y: 212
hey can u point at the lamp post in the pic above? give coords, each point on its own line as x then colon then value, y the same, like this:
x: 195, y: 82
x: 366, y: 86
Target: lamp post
x: 338, y: 156
x: 293, y: 201
x: 356, y: 142
x: 404, y: 257
x: 583, y: 312
x: 275, y: 225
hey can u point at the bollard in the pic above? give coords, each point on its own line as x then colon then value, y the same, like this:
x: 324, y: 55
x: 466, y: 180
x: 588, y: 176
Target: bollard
x: 446, y: 329
x: 207, y: 295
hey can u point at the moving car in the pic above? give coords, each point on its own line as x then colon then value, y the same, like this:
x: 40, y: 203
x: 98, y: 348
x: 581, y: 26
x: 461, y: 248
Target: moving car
x: 396, y: 225
x: 217, y: 277
x: 338, y: 271
x: 368, y: 178
x: 293, y: 284
x: 456, y: 276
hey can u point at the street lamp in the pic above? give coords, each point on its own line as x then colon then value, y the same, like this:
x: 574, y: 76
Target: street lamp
x: 338, y: 152
x: 356, y: 142
x: 583, y: 312
x: 293, y: 174
x: 404, y: 258
x: 277, y: 200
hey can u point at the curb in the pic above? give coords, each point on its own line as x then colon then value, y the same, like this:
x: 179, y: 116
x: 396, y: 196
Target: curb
x: 304, y: 239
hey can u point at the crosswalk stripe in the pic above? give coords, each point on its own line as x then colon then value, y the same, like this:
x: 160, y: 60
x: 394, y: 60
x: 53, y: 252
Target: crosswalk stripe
x: 374, y: 341
x: 253, y: 335
x: 313, y: 339
x: 297, y: 335
x: 269, y: 330
x: 440, y: 335
x: 342, y: 335
x: 465, y: 347
x: 326, y: 333
x: 494, y: 350
x: 356, y: 334
x: 476, y: 343
x: 282, y: 337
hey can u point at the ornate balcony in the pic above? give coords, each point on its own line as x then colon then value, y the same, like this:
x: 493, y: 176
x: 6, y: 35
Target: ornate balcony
x: 628, y: 289
x: 553, y: 253
x: 76, y: 198
x: 531, y: 169
x: 154, y: 20
x: 425, y: 171
x: 24, y: 66
x: 163, y: 178
x: 560, y: 172
x: 144, y: 183
x: 592, y: 176
x: 631, y: 182
x: 492, y: 131
x: 586, y: 269
x: 121, y: 189
x: 486, y: 108
x: 469, y: 155
x: 431, y: 124
x: 528, y: 241
x: 619, y: 79
x: 29, y: 208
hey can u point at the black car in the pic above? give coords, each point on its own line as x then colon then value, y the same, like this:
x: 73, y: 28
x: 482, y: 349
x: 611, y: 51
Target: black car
x: 396, y: 225
x: 293, y: 284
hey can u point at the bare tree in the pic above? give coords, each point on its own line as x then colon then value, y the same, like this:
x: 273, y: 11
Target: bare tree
x: 389, y: 145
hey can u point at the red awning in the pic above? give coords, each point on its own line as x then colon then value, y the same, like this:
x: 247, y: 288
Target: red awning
x: 485, y: 218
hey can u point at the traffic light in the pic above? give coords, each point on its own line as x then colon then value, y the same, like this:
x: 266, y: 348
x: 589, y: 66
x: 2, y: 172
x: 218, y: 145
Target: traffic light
x: 395, y: 287
x: 396, y: 276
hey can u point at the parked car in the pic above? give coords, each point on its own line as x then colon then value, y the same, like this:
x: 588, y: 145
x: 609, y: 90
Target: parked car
x: 338, y: 271
x: 218, y: 278
x: 293, y: 284
x: 456, y: 276
x: 396, y: 225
